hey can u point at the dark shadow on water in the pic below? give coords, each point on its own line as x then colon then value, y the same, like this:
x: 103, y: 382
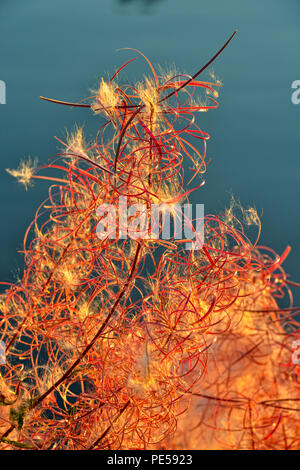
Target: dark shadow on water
x: 145, y: 4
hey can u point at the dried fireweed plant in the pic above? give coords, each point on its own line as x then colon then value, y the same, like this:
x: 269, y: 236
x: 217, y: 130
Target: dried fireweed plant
x: 140, y: 343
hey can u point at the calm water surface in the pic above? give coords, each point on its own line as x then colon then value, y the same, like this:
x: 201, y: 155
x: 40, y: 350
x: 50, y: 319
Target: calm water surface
x: 60, y: 48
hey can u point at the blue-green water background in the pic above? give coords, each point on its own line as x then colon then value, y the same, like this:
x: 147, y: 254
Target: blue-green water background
x: 61, y: 48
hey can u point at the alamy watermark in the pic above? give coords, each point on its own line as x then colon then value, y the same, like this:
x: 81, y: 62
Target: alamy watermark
x: 296, y: 353
x: 2, y: 92
x: 151, y: 222
x: 2, y: 353
x: 295, y: 97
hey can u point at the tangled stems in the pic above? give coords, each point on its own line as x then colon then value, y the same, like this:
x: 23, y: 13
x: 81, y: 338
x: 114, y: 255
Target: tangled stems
x: 119, y: 342
x: 97, y: 335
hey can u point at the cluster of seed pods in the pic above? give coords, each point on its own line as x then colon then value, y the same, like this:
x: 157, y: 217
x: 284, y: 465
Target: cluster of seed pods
x: 137, y: 342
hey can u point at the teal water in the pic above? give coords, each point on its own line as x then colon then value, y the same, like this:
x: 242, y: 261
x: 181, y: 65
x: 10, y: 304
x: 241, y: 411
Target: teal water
x: 61, y: 48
